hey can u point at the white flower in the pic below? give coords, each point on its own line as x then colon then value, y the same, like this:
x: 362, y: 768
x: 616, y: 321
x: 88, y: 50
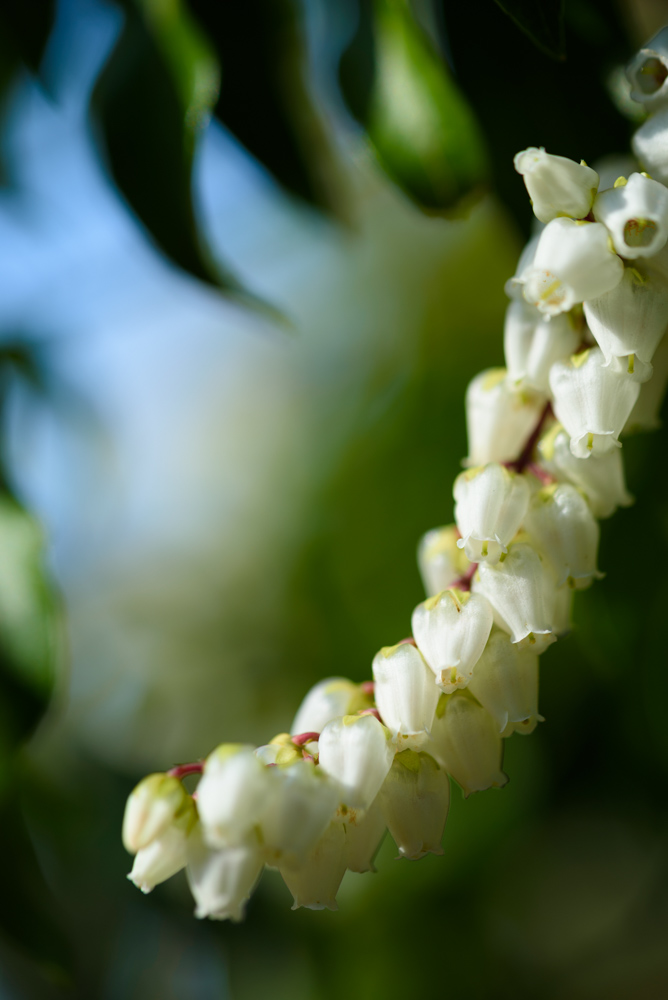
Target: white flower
x: 563, y: 611
x: 327, y: 700
x: 300, y: 806
x: 650, y: 145
x: 592, y: 402
x: 405, y: 692
x: 521, y: 592
x: 636, y: 215
x: 499, y: 419
x: 557, y: 186
x: 221, y: 881
x: 573, y: 262
x: 440, y: 562
x: 506, y: 684
x: 364, y: 834
x: 532, y: 343
x: 451, y: 630
x: 233, y: 793
x: 601, y: 478
x: 151, y: 807
x: 648, y: 72
x: 163, y: 857
x: 629, y: 322
x: 561, y: 523
x: 490, y: 504
x: 466, y: 743
x: 315, y: 883
x: 645, y: 414
x: 356, y: 750
x: 514, y: 285
x: 415, y: 799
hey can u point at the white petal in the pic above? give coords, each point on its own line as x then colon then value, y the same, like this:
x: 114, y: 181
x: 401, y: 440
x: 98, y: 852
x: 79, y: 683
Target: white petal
x: 151, y: 808
x: 645, y: 415
x: 315, y: 883
x: 557, y: 186
x: 467, y: 744
x: 364, y: 835
x: 601, y: 478
x: 327, y: 700
x: 632, y: 318
x: 636, y: 215
x: 451, y: 630
x: 650, y: 145
x: 221, y: 881
x: 415, y: 800
x: 499, y: 420
x: 357, y: 752
x: 506, y: 684
x: 521, y: 592
x: 301, y: 804
x: 532, y: 343
x: 440, y: 561
x: 164, y: 857
x: 562, y: 525
x: 232, y: 795
x: 648, y: 72
x: 405, y: 692
x: 490, y: 503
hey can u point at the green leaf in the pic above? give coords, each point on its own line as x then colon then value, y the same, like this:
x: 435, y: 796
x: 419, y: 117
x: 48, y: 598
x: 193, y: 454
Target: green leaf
x: 423, y: 131
x: 265, y: 98
x: 29, y: 625
x: 153, y: 99
x: 542, y: 22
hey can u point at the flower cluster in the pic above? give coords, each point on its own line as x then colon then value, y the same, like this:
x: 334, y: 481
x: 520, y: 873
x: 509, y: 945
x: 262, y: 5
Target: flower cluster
x: 584, y: 328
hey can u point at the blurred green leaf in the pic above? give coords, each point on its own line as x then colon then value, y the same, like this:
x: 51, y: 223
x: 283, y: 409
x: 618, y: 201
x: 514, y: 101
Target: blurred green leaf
x: 152, y: 100
x: 266, y: 94
x: 29, y: 625
x: 542, y: 22
x: 421, y: 127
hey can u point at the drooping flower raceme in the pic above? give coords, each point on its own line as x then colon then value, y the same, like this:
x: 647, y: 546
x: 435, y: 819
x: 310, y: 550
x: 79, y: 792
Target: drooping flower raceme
x: 587, y: 360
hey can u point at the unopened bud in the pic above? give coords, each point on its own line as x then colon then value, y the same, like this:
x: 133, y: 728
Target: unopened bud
x: 467, y: 744
x: 451, y: 630
x: 490, y: 503
x: 153, y: 805
x: 557, y: 186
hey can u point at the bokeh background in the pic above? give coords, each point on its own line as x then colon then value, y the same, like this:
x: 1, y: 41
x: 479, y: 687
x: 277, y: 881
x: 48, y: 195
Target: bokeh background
x: 237, y: 320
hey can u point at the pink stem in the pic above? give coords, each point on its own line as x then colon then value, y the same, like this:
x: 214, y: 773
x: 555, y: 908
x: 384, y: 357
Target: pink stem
x: 520, y: 464
x: 183, y: 770
x: 303, y: 738
x: 410, y: 641
x: 540, y: 473
x: 368, y: 688
x: 372, y: 711
x: 464, y: 582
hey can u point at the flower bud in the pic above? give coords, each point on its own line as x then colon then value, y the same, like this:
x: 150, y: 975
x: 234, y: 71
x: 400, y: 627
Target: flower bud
x: 629, y: 322
x: 164, y: 856
x: 557, y: 186
x: 592, y: 402
x: 364, y: 835
x: 648, y: 72
x: 300, y: 806
x: 327, y: 700
x: 451, y: 630
x: 415, y: 799
x: 573, y: 263
x: 499, y: 419
x: 315, y: 883
x: 532, y: 343
x: 636, y: 215
x: 506, y: 684
x: 565, y: 530
x: 356, y: 750
x: 221, y: 881
x: 490, y: 504
x: 233, y: 793
x: 405, y: 692
x: 601, y: 478
x: 521, y: 592
x: 466, y: 744
x: 440, y: 562
x: 650, y: 145
x: 151, y: 807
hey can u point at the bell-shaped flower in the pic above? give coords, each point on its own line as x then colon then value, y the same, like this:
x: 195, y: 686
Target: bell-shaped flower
x: 466, y: 743
x: 357, y: 751
x: 415, y: 800
x: 221, y: 880
x: 532, y: 343
x: 514, y: 285
x: 573, y: 262
x: 490, y: 504
x: 601, y: 478
x: 635, y: 212
x: 650, y: 145
x: 648, y: 72
x: 406, y: 695
x: 327, y: 700
x: 165, y: 855
x: 451, y: 630
x: 499, y: 419
x: 562, y: 525
x: 592, y: 402
x: 521, y: 592
x: 645, y: 415
x: 557, y: 186
x: 233, y: 793
x: 301, y: 804
x: 506, y: 684
x: 440, y: 561
x: 562, y: 615
x: 151, y: 807
x: 364, y: 835
x: 315, y: 882
x: 629, y: 322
